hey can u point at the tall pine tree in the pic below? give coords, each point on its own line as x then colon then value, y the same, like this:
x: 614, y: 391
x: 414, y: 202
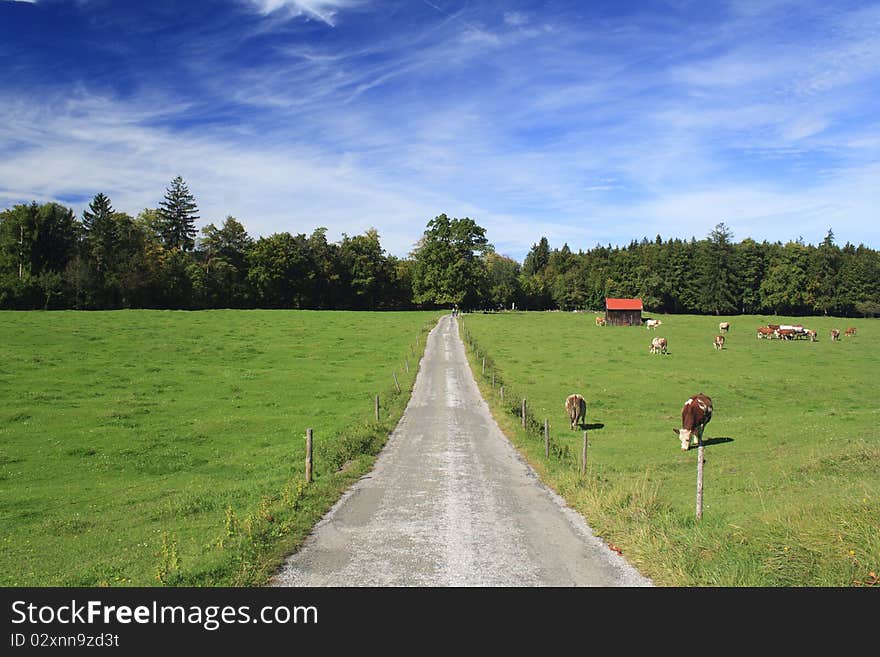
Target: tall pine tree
x: 715, y: 266
x: 100, y: 233
x: 179, y: 213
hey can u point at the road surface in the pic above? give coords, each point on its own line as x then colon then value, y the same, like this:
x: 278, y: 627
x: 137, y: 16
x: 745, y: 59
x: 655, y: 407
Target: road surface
x: 450, y: 502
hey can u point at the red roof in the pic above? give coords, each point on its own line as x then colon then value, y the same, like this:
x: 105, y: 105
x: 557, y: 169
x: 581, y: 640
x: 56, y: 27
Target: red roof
x: 623, y: 304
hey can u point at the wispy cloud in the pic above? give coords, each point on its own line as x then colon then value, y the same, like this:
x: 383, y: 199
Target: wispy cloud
x: 323, y: 10
x: 585, y: 125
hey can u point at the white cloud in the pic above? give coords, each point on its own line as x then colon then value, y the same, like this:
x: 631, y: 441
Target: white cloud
x: 323, y: 10
x: 583, y: 136
x: 90, y: 145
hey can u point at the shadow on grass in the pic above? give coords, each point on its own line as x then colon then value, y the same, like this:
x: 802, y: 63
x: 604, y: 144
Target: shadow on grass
x: 590, y: 427
x: 717, y: 441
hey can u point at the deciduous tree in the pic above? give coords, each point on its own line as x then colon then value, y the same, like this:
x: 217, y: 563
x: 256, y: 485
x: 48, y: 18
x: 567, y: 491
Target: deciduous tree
x: 448, y: 268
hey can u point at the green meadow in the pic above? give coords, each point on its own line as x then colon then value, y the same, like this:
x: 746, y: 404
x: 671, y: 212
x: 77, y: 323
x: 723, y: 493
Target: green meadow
x: 792, y: 456
x: 146, y: 448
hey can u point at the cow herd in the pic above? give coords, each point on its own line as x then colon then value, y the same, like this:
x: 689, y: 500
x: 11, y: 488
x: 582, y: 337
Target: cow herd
x: 797, y: 332
x: 661, y: 345
x: 697, y: 410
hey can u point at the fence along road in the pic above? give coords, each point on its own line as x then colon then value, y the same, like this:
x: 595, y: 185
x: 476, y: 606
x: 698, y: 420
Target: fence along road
x: 450, y: 502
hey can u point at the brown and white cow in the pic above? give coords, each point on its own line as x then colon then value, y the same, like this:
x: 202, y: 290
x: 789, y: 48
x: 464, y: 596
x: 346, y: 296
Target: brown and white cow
x: 576, y: 407
x: 719, y: 342
x: 851, y: 331
x: 695, y: 415
x: 600, y: 321
x: 652, y: 323
x: 765, y: 332
x: 835, y: 335
x: 724, y: 327
x: 658, y: 346
x: 814, y: 337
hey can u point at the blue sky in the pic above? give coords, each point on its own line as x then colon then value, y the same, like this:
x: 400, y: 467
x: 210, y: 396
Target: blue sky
x: 585, y: 122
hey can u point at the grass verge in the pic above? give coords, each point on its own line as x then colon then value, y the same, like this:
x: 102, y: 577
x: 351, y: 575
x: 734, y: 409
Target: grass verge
x: 792, y: 469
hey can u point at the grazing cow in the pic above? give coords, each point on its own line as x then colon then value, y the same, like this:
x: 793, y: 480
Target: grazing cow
x: 851, y: 331
x: 600, y: 321
x: 724, y: 327
x: 785, y: 333
x: 719, y: 342
x: 765, y: 332
x: 652, y: 323
x: 793, y: 331
x: 658, y: 346
x: 835, y: 335
x: 695, y: 416
x: 576, y: 407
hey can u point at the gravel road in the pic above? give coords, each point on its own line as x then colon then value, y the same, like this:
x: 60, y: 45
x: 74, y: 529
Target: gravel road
x: 450, y: 502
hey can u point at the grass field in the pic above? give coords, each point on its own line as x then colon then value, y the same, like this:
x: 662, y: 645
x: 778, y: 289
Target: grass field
x: 155, y: 447
x: 792, y: 472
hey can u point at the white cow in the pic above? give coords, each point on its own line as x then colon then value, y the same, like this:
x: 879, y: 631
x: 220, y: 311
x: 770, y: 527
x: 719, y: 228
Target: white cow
x: 658, y: 346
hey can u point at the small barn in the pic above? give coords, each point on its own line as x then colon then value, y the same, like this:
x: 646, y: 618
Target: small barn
x: 623, y: 312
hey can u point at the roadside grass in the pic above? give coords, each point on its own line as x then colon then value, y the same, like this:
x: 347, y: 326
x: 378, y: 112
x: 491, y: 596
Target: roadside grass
x: 145, y: 448
x: 792, y: 472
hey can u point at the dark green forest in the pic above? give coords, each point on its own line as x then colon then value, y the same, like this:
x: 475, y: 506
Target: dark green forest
x: 106, y: 259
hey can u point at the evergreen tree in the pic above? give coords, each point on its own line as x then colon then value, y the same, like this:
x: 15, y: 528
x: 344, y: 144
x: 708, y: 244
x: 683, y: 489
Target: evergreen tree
x: 179, y: 212
x: 100, y: 246
x: 99, y: 211
x: 823, y: 276
x: 784, y: 288
x: 538, y: 258
x: 717, y: 285
x: 749, y: 265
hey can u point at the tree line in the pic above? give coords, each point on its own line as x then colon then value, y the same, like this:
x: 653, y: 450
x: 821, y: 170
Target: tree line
x: 714, y: 275
x: 52, y: 259
x: 108, y: 259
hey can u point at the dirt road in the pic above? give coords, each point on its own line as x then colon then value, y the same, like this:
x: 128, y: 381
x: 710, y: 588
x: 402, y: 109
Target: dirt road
x: 451, y: 503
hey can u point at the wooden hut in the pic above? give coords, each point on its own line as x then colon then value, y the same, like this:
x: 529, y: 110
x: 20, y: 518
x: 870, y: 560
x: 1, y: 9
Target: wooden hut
x: 623, y: 312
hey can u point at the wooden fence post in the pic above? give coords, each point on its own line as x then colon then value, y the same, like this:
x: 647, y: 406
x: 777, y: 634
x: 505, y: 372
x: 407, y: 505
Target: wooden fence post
x: 502, y: 393
x: 523, y: 413
x: 484, y: 366
x: 377, y: 408
x: 584, y: 456
x: 397, y: 385
x: 493, y: 379
x: 700, y: 482
x: 308, y: 456
x: 546, y: 438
